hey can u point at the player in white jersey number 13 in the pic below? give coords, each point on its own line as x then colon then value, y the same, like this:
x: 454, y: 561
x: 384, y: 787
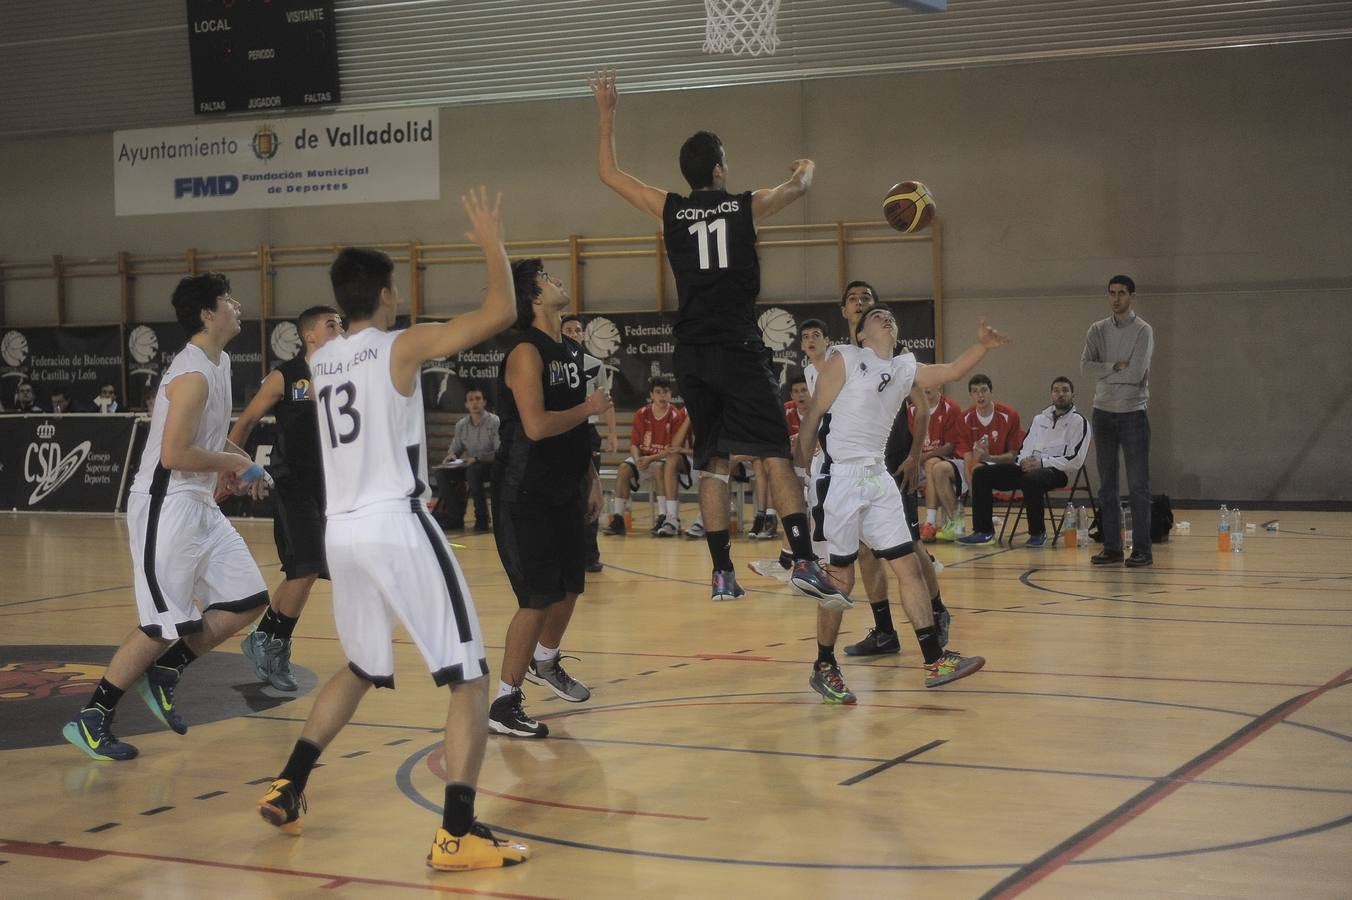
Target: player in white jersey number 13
x: 387, y: 559
x: 859, y: 391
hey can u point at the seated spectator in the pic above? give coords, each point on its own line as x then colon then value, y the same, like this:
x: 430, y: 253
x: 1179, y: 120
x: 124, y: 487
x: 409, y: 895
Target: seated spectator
x: 987, y: 432
x: 475, y: 442
x: 26, y: 399
x: 106, y: 401
x: 939, y: 452
x: 656, y: 446
x: 60, y: 401
x: 1053, y: 452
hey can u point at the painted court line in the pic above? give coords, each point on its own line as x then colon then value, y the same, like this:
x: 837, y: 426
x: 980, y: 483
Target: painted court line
x: 88, y: 854
x: 1029, y: 874
x: 909, y: 754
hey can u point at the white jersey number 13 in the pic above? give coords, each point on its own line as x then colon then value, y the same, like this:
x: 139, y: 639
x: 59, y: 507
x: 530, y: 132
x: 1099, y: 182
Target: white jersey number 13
x: 719, y: 229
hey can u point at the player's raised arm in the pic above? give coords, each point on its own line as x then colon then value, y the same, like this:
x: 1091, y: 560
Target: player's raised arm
x: 643, y: 196
x: 525, y: 369
x: 268, y: 396
x: 942, y: 373
x: 497, y: 311
x: 829, y: 383
x: 768, y: 201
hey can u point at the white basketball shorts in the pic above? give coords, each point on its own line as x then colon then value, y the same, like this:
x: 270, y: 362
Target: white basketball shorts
x: 390, y: 561
x: 855, y: 503
x: 184, y: 548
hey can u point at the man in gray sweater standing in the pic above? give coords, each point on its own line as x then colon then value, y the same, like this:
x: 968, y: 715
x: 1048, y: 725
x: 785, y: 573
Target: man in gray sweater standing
x: 1116, y: 355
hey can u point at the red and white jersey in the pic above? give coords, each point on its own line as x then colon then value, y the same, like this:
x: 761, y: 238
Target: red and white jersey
x: 1002, y: 430
x: 792, y: 418
x: 944, y: 424
x: 652, y: 434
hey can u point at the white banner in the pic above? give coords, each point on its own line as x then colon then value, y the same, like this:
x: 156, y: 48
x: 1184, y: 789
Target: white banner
x: 372, y: 157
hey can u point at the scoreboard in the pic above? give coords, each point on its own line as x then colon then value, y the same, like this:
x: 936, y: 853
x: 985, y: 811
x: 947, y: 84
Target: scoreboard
x: 252, y: 55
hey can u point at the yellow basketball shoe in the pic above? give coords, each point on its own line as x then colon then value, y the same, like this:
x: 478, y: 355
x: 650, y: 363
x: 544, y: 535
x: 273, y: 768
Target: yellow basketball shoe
x: 478, y: 849
x: 282, y: 805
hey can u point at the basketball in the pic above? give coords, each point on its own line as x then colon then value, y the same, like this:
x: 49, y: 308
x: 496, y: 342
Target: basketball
x: 908, y: 206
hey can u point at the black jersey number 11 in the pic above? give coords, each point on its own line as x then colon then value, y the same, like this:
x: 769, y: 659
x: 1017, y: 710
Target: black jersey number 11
x: 719, y: 229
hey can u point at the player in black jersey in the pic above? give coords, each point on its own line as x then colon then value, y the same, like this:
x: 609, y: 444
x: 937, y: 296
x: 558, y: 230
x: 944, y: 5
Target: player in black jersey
x: 722, y: 366
x: 298, y: 516
x: 545, y: 491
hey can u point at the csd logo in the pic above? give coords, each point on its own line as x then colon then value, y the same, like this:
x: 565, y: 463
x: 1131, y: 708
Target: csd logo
x: 46, y: 467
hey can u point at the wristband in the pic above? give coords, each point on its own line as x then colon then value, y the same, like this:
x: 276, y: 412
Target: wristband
x: 252, y: 474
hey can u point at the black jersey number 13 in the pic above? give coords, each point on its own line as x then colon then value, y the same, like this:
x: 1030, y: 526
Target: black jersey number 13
x: 348, y: 392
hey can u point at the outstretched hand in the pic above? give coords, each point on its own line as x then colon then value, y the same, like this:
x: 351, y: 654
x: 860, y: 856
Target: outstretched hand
x: 988, y: 337
x: 485, y: 222
x: 602, y: 84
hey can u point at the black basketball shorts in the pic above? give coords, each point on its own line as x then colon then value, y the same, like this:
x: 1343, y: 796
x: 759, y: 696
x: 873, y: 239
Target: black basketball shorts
x: 543, y: 548
x: 733, y: 401
x: 298, y: 528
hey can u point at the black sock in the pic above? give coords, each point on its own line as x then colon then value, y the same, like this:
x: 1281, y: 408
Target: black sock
x: 303, y: 758
x: 799, y: 535
x: 937, y: 603
x: 458, y: 812
x: 106, y: 695
x: 826, y: 654
x: 785, y: 559
x: 275, y: 624
x: 720, y: 549
x: 882, y: 616
x: 176, y: 657
x: 929, y: 643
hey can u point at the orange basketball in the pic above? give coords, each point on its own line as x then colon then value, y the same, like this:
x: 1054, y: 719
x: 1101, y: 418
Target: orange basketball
x: 908, y: 206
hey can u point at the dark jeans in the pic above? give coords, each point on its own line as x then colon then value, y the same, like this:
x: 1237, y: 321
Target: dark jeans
x: 1131, y: 432
x: 476, y: 477
x: 1008, y: 477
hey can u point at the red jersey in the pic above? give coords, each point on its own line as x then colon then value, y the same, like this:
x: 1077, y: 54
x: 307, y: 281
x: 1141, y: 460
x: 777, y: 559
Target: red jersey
x: 791, y: 417
x: 944, y: 424
x: 1003, y: 433
x: 653, y: 435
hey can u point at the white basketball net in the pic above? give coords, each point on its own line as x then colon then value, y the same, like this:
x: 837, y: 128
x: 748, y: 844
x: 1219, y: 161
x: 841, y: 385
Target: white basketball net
x: 741, y: 26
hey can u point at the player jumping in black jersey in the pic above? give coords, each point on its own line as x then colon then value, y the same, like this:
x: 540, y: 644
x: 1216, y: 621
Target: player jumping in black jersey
x: 722, y: 365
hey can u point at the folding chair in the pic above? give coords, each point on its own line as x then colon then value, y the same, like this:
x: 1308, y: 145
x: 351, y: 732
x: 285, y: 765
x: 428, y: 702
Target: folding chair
x: 1079, y: 483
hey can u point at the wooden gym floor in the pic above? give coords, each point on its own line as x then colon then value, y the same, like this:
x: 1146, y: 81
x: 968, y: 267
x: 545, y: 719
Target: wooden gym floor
x: 1174, y: 731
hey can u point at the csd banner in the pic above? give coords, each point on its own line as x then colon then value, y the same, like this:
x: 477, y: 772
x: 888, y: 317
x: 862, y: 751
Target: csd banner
x: 70, y: 462
x: 370, y: 157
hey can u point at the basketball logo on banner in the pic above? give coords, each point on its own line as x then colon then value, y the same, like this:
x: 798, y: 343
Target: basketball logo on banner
x: 779, y: 332
x: 285, y: 341
x: 602, y: 338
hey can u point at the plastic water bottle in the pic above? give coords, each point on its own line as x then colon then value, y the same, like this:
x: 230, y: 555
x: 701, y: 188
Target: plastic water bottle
x: 1082, y: 532
x: 1126, y: 530
x: 1070, y: 525
x: 1236, y: 531
x: 1223, y: 530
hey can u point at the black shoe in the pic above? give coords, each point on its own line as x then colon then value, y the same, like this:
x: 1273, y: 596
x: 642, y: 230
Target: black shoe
x: 282, y: 806
x: 455, y: 526
x: 594, y: 567
x: 482, y: 527
x: 875, y: 643
x: 616, y: 526
x: 1139, y: 560
x: 757, y: 525
x: 1106, y: 557
x: 658, y: 523
x: 507, y: 715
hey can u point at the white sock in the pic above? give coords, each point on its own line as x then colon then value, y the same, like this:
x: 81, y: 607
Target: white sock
x: 770, y: 511
x: 674, y: 510
x: 661, y: 505
x: 545, y: 654
x: 617, y: 506
x: 504, y: 689
x: 932, y: 517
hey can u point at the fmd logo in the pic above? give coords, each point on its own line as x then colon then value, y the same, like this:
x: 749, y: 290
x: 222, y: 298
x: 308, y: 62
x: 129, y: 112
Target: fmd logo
x: 205, y: 186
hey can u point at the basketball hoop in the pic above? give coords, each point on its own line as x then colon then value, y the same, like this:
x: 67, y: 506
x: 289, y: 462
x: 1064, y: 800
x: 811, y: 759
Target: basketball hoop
x: 741, y: 26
